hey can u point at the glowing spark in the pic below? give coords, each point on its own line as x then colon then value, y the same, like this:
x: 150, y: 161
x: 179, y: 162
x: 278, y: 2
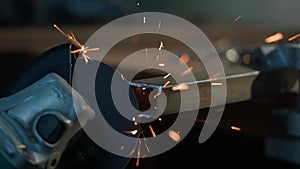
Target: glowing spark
x: 216, y: 84
x: 166, y: 76
x: 235, y: 128
x: 139, y: 153
x: 161, y: 64
x: 122, y: 77
x: 161, y: 45
x: 237, y: 18
x: 152, y: 131
x: 166, y: 84
x: 144, y: 115
x: 274, y: 38
x: 131, y: 152
x: 159, y: 119
x: 221, y: 109
x: 122, y: 148
x: 146, y: 50
x: 157, y: 57
x: 201, y: 120
x: 159, y: 23
x: 133, y: 118
x: 144, y: 19
x: 294, y: 37
x: 138, y: 4
x: 157, y: 94
x: 133, y: 132
x: 144, y: 88
x: 188, y: 70
x: 181, y: 86
x: 155, y: 107
x: 82, y: 49
x: 174, y: 136
x: 184, y: 59
x: 136, y: 123
x: 214, y: 76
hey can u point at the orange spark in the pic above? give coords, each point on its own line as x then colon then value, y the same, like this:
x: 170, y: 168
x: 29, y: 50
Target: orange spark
x: 166, y: 76
x: 152, y: 131
x: 157, y: 94
x: 159, y: 23
x: 133, y: 132
x: 122, y: 77
x: 161, y: 45
x: 274, y: 38
x: 174, y: 136
x: 235, y: 128
x: 237, y: 18
x: 188, y: 70
x: 216, y: 84
x: 166, y: 84
x: 184, y: 59
x: 181, y: 86
x: 201, y: 120
x: 294, y: 37
x: 161, y: 64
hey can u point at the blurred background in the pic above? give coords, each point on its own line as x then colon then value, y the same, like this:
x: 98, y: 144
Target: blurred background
x: 26, y: 30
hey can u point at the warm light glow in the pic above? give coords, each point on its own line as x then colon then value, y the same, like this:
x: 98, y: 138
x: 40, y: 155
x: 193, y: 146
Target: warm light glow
x: 274, y: 38
x: 235, y: 128
x: 294, y: 37
x: 181, y: 86
x: 152, y: 131
x: 174, y: 136
x: 184, y: 59
x: 188, y: 70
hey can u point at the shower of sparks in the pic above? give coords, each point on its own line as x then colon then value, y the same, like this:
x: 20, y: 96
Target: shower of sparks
x: 174, y: 135
x: 161, y: 46
x: 294, y: 37
x: 188, y: 70
x: 82, y: 49
x: 237, y: 18
x: 181, y: 86
x: 159, y: 23
x: 184, y: 59
x: 235, y: 128
x: 216, y: 84
x: 166, y: 76
x: 152, y: 131
x: 144, y: 19
x: 274, y: 38
x: 166, y: 84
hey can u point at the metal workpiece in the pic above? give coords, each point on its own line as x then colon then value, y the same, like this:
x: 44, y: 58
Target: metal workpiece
x: 37, y: 123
